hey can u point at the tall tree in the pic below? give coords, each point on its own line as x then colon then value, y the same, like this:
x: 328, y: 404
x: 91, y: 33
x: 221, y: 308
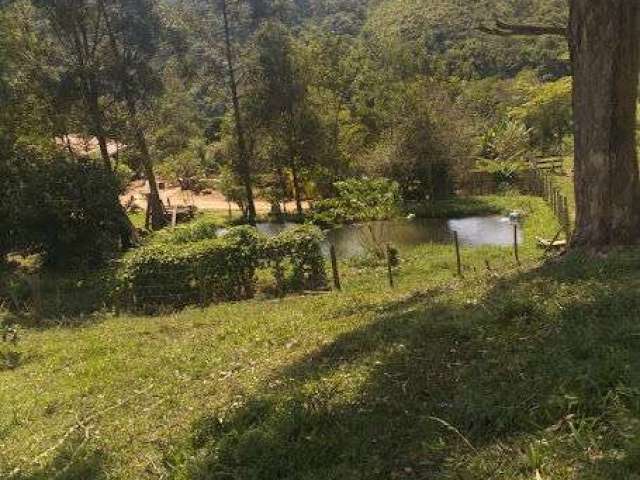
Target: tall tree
x: 605, y: 49
x: 243, y: 161
x: 132, y: 33
x: 79, y: 28
x: 285, y: 110
x: 604, y: 39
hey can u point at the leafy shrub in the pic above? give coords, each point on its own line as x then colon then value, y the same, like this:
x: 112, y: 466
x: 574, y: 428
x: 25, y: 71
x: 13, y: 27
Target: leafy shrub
x: 199, y: 272
x: 124, y: 175
x: 358, y: 200
x: 212, y: 270
x: 300, y: 249
x: 547, y: 112
x: 65, y: 209
x: 504, y: 151
x: 190, y: 232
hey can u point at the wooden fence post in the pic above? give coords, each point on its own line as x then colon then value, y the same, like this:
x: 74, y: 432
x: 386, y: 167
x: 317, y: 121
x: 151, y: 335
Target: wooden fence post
x: 515, y: 242
x: 174, y: 216
x: 567, y: 218
x: 548, y: 188
x: 560, y: 206
x: 389, y: 266
x: 334, y: 267
x: 458, y: 260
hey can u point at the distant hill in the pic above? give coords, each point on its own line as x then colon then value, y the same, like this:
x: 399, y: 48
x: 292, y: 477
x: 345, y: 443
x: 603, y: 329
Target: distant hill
x: 442, y: 35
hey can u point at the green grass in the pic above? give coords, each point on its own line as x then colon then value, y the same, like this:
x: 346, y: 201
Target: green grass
x: 458, y: 207
x: 137, y: 218
x: 503, y: 374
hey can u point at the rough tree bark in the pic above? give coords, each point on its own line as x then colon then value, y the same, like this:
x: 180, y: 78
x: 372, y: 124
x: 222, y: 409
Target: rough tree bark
x: 604, y: 40
x: 243, y: 157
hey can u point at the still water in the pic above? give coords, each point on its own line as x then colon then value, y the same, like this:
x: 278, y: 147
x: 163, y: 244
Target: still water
x: 354, y: 240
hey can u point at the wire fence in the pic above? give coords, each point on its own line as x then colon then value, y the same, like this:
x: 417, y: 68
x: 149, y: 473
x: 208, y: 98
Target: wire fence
x: 541, y: 184
x: 32, y: 297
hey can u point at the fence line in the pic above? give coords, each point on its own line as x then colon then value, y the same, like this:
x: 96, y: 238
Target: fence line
x: 542, y: 186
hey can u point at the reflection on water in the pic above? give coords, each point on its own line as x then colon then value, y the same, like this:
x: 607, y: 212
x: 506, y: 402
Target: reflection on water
x: 475, y: 231
x: 354, y: 240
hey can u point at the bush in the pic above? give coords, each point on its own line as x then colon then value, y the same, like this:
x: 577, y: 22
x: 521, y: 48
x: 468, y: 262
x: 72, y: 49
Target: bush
x: 300, y: 249
x: 199, y: 272
x: 212, y: 270
x: 188, y: 233
x: 504, y: 152
x: 358, y: 200
x: 65, y: 209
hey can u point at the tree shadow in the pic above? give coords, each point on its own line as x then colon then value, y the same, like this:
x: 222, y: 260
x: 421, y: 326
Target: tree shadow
x: 440, y: 387
x: 457, y: 207
x: 75, y: 459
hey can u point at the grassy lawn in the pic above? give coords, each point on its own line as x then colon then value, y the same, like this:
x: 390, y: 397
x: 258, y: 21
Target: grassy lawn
x: 509, y: 373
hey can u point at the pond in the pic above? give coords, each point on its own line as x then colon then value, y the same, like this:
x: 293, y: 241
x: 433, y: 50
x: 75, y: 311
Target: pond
x: 354, y: 240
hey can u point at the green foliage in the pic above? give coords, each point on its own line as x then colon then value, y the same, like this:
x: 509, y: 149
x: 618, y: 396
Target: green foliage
x: 358, y: 199
x: 547, y: 112
x: 196, y: 231
x: 297, y: 250
x: 64, y: 209
x: 164, y: 274
x: 187, y: 266
x: 427, y: 143
x: 504, y: 150
x: 412, y: 37
x: 230, y: 187
x: 123, y: 175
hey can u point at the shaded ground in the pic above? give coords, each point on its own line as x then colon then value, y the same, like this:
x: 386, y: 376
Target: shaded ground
x: 516, y: 382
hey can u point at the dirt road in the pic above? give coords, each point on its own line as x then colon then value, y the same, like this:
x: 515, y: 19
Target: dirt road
x: 174, y: 195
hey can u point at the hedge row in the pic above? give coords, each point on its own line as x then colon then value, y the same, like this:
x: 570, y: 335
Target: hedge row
x: 174, y: 273
x: 188, y: 233
x: 298, y: 253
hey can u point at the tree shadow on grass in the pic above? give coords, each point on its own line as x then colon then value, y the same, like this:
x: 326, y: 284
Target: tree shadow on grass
x: 75, y: 459
x: 544, y: 369
x: 54, y: 299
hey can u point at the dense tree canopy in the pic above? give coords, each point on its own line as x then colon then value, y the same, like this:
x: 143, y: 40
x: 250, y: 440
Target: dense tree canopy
x: 280, y: 100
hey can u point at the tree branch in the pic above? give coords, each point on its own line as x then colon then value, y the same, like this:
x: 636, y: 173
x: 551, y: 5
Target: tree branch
x: 507, y: 30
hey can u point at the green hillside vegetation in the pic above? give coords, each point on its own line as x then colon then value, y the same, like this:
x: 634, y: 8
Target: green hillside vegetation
x: 135, y: 349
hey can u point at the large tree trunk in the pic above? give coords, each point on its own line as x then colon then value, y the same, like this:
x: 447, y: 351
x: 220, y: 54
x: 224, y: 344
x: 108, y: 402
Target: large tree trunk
x: 243, y: 156
x: 604, y: 41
